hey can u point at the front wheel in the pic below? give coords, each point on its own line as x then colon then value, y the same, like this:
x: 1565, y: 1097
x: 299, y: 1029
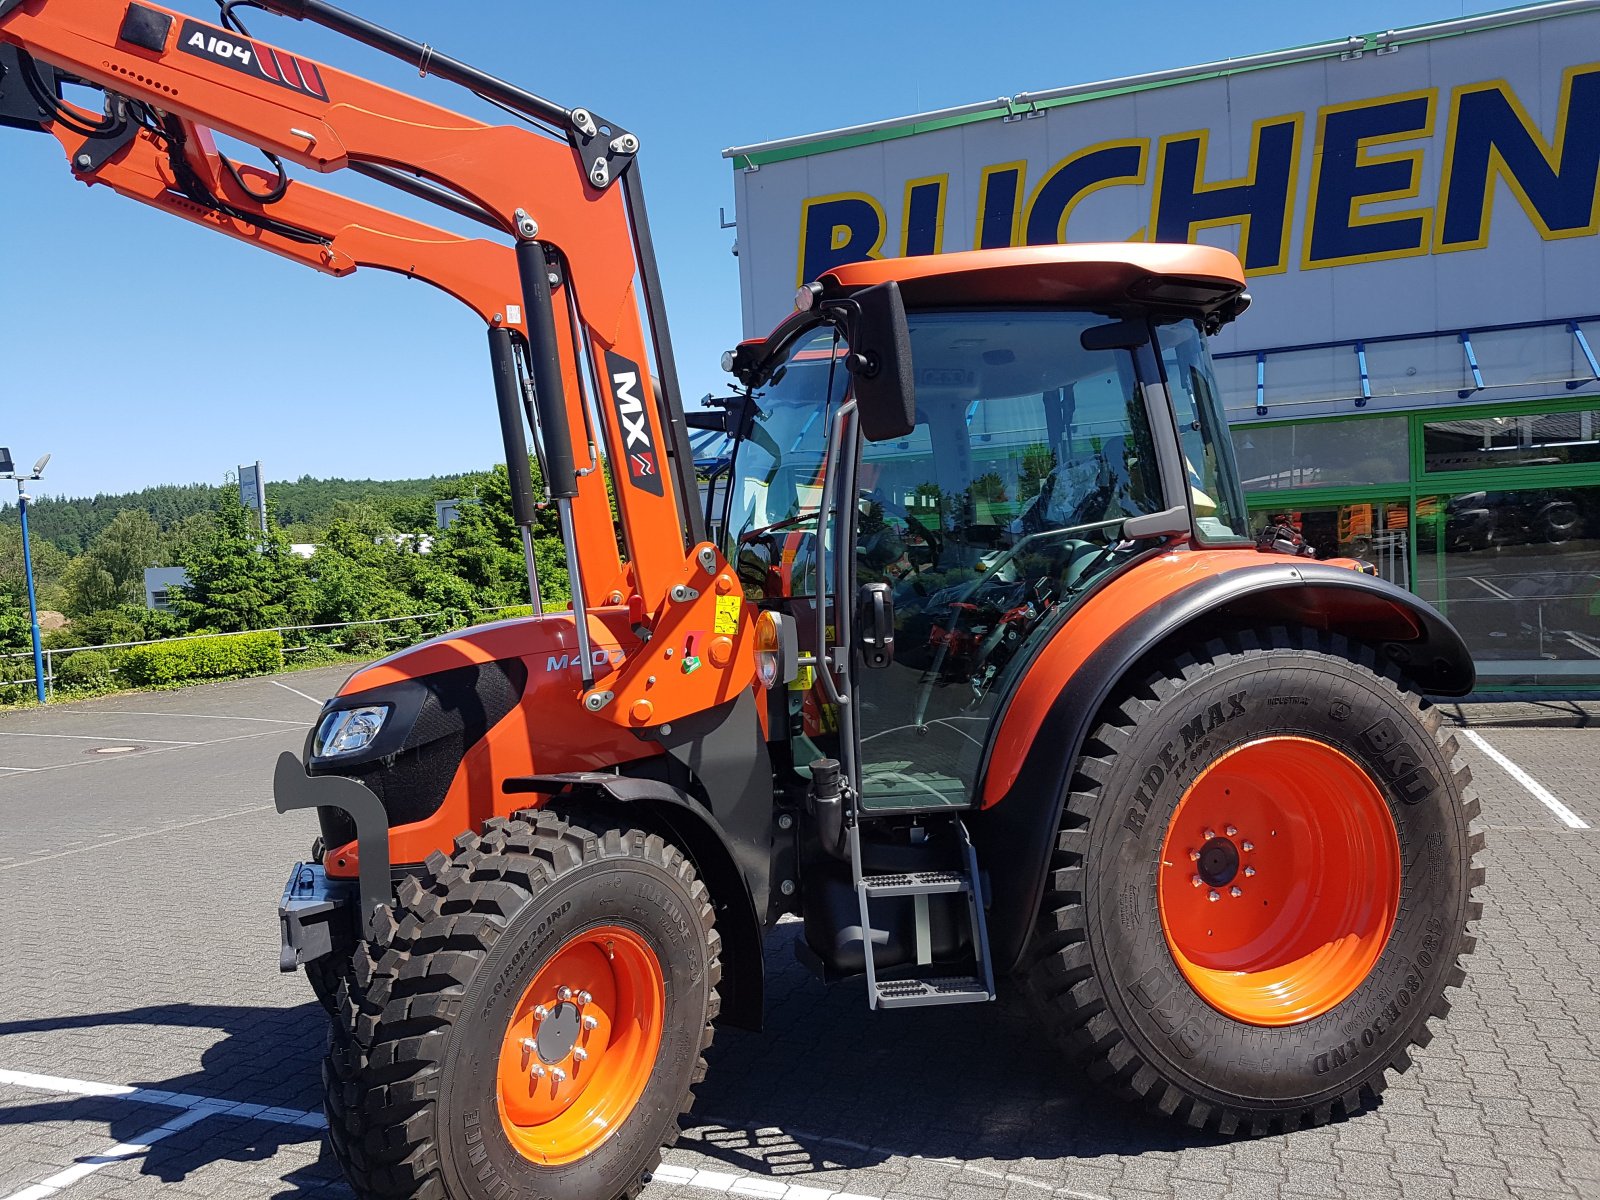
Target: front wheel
x: 535, y: 1022
x: 1261, y: 885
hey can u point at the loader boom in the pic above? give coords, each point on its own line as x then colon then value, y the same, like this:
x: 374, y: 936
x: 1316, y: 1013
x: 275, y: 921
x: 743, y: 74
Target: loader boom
x: 585, y: 319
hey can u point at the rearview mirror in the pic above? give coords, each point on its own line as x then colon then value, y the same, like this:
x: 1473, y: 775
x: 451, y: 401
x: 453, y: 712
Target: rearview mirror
x: 1127, y: 334
x: 880, y: 360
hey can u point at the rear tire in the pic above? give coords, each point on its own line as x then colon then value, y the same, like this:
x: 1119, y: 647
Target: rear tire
x: 1118, y: 964
x: 419, y: 1060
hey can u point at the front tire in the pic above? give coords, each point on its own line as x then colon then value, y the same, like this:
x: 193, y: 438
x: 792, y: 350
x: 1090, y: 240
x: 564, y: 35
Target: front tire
x: 534, y: 1023
x: 1261, y: 885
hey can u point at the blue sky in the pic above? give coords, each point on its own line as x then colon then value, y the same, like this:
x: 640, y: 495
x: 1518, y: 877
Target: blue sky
x: 141, y: 350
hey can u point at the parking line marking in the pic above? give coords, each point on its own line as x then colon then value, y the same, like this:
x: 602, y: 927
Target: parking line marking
x: 296, y: 691
x: 89, y: 762
x: 1539, y: 792
x: 194, y: 1109
x: 24, y: 770
x: 95, y: 737
x: 121, y: 1152
x: 132, y: 837
x: 128, y: 712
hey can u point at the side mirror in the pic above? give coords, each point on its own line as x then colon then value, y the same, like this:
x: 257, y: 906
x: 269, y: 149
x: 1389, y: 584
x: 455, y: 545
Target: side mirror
x: 880, y: 360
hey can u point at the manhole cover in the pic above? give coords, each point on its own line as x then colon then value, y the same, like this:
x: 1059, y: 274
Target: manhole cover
x: 115, y: 750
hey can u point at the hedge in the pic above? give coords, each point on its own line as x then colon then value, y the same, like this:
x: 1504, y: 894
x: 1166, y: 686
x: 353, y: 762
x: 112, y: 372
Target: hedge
x: 204, y: 658
x: 87, y: 670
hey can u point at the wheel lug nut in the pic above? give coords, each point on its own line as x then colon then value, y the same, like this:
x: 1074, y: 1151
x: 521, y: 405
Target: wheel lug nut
x: 529, y: 1044
x: 1194, y: 856
x: 1196, y: 880
x: 1249, y: 870
x: 536, y: 1071
x: 591, y: 1024
x: 1248, y: 846
x: 584, y: 998
x: 564, y: 994
x: 1210, y: 833
x: 558, y: 1075
x: 1236, y: 891
x: 1213, y: 897
x: 579, y: 1054
x: 540, y: 1012
x: 1232, y: 830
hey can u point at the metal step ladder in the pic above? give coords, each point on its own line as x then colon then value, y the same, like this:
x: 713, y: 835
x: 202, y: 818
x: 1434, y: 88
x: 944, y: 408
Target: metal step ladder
x: 924, y: 992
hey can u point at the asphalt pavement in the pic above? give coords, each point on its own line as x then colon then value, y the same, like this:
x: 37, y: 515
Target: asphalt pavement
x: 149, y: 1045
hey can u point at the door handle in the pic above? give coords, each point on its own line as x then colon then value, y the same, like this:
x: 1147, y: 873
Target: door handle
x: 875, y: 623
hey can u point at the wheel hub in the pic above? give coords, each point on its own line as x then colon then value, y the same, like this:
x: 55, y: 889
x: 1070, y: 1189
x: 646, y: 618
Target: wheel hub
x: 1219, y: 862
x: 558, y: 1033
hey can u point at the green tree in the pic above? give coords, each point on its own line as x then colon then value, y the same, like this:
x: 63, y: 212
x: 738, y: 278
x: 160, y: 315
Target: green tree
x: 111, y: 572
x: 240, y: 579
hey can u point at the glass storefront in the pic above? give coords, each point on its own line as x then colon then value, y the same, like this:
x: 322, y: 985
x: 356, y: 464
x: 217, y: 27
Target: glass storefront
x: 1490, y: 513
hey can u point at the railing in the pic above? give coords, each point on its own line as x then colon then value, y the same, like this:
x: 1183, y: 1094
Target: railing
x: 52, y: 654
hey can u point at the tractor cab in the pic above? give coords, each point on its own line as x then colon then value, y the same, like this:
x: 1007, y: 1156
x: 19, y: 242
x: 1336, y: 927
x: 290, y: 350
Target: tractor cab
x: 1054, y: 396
x: 936, y: 461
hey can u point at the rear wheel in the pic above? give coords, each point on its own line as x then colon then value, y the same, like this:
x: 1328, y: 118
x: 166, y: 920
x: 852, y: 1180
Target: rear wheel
x: 534, y: 1023
x: 1261, y: 885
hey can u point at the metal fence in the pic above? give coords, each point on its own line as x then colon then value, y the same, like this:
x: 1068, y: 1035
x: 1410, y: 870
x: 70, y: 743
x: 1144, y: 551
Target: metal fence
x: 52, y: 655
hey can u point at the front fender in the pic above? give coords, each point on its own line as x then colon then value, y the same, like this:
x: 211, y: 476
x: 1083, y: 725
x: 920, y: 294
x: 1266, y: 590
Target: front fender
x: 1040, y: 733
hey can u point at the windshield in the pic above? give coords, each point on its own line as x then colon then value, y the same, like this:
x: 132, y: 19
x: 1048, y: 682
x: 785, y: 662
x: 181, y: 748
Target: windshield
x: 1203, y: 432
x: 1001, y: 506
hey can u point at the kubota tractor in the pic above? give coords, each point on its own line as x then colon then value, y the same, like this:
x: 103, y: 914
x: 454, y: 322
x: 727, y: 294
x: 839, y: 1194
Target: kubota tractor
x: 982, y: 676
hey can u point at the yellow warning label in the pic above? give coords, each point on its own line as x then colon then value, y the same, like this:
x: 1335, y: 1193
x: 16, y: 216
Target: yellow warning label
x: 804, y: 678
x: 727, y: 620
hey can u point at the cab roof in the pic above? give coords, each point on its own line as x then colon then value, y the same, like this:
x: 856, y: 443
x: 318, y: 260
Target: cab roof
x: 1196, y: 277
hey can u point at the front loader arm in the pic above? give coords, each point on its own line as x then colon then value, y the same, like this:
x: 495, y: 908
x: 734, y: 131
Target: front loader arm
x: 342, y: 234
x: 583, y: 258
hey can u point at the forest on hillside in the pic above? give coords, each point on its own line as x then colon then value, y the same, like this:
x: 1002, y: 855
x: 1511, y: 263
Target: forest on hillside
x: 301, y: 507
x: 90, y: 555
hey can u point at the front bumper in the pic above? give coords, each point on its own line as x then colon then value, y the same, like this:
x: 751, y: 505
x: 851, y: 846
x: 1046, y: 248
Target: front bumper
x: 292, y: 790
x: 314, y: 915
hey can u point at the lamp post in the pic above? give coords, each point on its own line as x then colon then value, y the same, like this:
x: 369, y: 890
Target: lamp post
x: 27, y: 560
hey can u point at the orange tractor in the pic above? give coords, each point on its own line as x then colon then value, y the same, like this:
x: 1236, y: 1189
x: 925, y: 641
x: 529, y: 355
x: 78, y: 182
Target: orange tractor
x: 980, y: 674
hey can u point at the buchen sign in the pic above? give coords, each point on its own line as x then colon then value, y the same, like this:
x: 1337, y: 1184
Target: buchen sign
x: 1486, y: 142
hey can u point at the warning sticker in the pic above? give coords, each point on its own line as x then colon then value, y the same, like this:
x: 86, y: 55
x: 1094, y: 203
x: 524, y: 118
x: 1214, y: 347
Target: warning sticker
x: 727, y: 620
x: 804, y: 678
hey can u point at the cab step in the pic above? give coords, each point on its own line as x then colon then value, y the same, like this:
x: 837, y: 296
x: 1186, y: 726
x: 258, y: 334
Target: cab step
x: 922, y: 993
x: 914, y: 883
x: 919, y: 885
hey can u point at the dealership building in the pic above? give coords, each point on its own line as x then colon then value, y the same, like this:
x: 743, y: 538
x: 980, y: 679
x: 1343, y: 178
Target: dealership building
x: 1418, y: 213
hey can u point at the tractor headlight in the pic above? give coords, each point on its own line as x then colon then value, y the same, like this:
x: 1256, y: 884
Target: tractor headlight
x: 347, y: 730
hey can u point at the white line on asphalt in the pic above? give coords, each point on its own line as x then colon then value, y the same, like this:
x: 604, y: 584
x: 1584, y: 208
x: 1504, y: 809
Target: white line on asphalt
x: 104, y: 758
x: 128, y: 712
x: 196, y: 1108
x: 95, y: 737
x: 24, y: 770
x: 1540, y: 793
x: 121, y: 1152
x: 132, y: 837
x: 296, y: 691
x: 141, y: 1095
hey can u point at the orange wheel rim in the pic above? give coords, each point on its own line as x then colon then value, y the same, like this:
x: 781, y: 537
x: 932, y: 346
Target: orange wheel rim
x: 580, y: 1045
x: 1279, y: 880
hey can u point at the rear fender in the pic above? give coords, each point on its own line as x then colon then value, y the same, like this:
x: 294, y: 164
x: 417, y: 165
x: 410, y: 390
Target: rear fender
x: 1040, y: 735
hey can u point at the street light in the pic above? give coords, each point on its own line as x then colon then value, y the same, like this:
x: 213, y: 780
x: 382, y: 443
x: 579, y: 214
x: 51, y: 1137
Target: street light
x: 10, y: 472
